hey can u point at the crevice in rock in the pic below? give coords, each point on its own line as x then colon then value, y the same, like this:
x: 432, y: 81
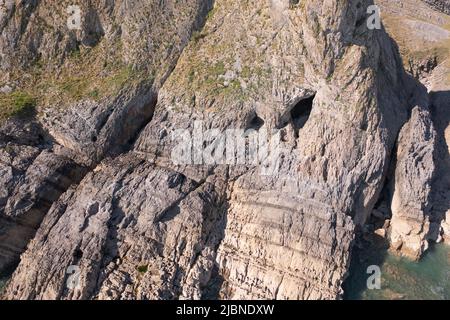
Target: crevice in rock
x: 91, y: 39
x: 110, y: 250
x: 152, y: 101
x: 211, y: 288
x: 174, y: 209
x: 373, y: 240
x: 19, y: 229
x: 203, y: 14
x: 28, y: 9
x: 32, y: 189
x: 93, y: 29
x: 212, y: 232
x: 6, y: 274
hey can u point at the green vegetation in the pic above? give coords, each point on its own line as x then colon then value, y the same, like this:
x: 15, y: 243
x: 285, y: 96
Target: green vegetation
x: 17, y: 103
x: 89, y: 73
x: 200, y: 34
x: 211, y: 13
x: 213, y: 72
x: 219, y: 79
x: 197, y: 36
x: 142, y: 269
x: 77, y: 87
x: 118, y: 79
x: 246, y: 72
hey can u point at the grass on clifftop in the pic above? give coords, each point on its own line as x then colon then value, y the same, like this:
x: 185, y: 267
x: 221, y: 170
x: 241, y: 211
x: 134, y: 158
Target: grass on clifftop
x: 17, y: 103
x: 89, y: 74
x: 78, y: 86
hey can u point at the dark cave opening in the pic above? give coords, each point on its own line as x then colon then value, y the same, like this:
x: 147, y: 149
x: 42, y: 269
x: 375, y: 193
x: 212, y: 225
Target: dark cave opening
x: 256, y: 123
x: 78, y: 254
x: 301, y: 111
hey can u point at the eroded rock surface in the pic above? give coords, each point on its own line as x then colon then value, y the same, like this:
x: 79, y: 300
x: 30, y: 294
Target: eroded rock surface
x: 40, y: 59
x: 415, y: 169
x: 141, y: 225
x: 33, y: 177
x: 135, y: 230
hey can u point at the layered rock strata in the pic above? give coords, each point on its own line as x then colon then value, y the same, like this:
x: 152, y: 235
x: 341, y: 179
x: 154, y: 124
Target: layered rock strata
x: 141, y: 225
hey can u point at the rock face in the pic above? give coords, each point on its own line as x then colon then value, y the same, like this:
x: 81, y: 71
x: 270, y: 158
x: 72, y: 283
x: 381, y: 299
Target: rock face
x: 131, y: 46
x: 411, y: 205
x: 441, y: 184
x: 425, y: 54
x: 33, y: 177
x: 43, y: 159
x: 129, y: 241
x: 159, y: 206
x: 446, y: 227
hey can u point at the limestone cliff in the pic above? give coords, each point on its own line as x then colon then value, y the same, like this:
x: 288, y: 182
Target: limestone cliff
x: 93, y: 180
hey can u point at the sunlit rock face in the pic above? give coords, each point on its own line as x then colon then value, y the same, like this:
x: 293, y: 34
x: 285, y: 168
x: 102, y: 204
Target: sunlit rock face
x: 136, y: 224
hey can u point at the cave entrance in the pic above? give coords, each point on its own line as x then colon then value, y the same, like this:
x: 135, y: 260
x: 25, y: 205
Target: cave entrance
x: 301, y: 111
x: 255, y: 123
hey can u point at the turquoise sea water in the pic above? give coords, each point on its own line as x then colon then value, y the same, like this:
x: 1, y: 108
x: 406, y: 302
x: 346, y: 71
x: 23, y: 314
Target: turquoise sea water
x: 427, y: 279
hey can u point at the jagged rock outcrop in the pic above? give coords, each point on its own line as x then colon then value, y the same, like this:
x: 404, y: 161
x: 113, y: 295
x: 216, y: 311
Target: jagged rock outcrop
x: 149, y: 223
x: 446, y: 227
x: 75, y: 132
x: 33, y: 177
x: 441, y: 185
x: 414, y: 172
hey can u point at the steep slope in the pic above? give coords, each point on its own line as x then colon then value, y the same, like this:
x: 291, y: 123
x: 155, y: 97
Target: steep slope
x: 87, y: 93
x: 142, y: 226
x: 96, y: 85
x: 150, y: 223
x: 419, y: 189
